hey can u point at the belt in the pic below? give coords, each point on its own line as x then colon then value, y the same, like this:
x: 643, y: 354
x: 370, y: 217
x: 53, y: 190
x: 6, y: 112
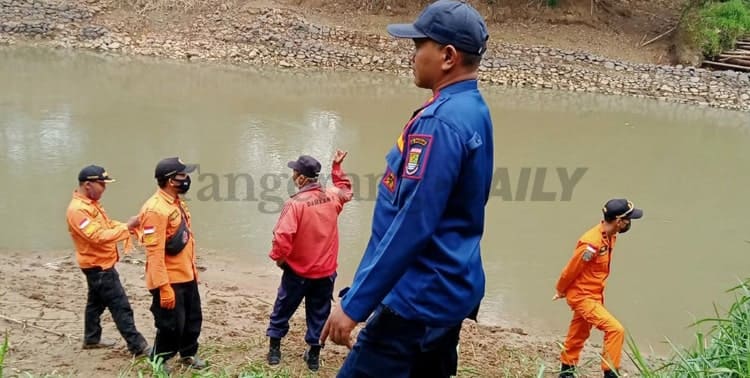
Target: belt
x: 389, y: 311
x: 95, y: 269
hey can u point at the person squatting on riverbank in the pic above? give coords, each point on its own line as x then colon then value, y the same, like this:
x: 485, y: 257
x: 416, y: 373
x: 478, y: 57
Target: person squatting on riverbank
x: 421, y: 274
x: 95, y: 237
x: 582, y: 284
x: 306, y: 246
x: 171, y: 274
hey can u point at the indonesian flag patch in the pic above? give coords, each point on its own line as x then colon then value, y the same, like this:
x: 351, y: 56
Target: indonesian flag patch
x: 588, y: 254
x: 87, y: 227
x: 149, y: 235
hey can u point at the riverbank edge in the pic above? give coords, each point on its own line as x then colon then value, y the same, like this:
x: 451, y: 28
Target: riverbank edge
x: 283, y: 38
x: 47, y: 290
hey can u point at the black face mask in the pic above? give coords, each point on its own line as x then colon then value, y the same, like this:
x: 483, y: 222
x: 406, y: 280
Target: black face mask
x: 626, y: 228
x: 184, y: 185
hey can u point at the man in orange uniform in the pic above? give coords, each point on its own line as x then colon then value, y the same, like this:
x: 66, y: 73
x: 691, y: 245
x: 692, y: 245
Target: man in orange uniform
x: 171, y: 274
x: 95, y: 237
x: 306, y: 246
x: 582, y: 284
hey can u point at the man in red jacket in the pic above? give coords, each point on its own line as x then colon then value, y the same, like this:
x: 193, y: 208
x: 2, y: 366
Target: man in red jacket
x: 306, y: 247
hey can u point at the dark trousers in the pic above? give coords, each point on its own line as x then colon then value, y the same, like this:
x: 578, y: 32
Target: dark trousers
x: 317, y: 293
x: 391, y: 346
x: 105, y: 291
x: 178, y: 329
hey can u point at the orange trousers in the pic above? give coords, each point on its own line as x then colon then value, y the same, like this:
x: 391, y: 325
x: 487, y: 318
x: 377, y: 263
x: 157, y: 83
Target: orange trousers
x: 588, y: 313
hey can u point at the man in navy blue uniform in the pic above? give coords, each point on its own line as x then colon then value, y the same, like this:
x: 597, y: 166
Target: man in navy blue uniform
x: 421, y: 274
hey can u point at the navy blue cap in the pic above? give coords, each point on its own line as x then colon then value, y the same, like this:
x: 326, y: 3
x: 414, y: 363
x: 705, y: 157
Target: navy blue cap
x: 308, y: 166
x: 171, y: 166
x: 94, y: 173
x: 621, y: 208
x: 448, y: 22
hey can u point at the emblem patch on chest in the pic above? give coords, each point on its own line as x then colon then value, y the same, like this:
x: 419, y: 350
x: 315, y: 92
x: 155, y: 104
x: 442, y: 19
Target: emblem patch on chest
x: 417, y: 155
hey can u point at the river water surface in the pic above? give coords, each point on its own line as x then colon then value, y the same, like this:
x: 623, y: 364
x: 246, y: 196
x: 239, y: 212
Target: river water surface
x: 686, y: 167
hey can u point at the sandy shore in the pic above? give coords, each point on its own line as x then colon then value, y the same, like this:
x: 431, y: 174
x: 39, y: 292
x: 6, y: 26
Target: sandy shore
x: 43, y: 296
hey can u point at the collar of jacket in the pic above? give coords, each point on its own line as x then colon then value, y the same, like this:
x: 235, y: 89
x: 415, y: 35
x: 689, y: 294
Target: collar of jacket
x: 459, y: 86
x: 307, y: 188
x: 168, y: 197
x: 82, y: 197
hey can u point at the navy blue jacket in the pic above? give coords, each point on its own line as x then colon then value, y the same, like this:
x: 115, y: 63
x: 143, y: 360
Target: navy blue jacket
x: 423, y: 258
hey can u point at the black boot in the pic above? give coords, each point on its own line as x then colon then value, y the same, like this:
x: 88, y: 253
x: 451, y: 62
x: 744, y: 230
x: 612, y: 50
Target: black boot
x: 274, y: 352
x: 312, y: 357
x: 567, y: 371
x: 610, y: 374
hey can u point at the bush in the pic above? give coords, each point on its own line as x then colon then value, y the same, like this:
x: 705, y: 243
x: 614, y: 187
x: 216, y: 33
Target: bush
x: 724, y: 351
x: 715, y: 26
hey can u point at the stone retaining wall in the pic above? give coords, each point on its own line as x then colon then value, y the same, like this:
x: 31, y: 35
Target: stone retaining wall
x: 285, y: 39
x: 39, y: 18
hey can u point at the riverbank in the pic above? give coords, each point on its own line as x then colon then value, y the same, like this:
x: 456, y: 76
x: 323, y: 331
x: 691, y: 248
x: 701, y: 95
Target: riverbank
x: 270, y: 33
x: 43, y: 296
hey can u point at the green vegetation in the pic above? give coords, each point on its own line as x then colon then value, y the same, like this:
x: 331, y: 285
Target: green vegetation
x: 714, y: 26
x: 723, y: 351
x: 146, y: 368
x: 3, y: 351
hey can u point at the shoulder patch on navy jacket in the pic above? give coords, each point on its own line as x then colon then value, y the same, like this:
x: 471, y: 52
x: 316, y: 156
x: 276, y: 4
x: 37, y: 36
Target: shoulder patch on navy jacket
x: 389, y: 180
x: 474, y: 142
x: 418, y: 152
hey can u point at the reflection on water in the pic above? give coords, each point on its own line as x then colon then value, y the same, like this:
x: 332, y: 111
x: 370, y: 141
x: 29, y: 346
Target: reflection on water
x: 47, y: 137
x: 684, y: 165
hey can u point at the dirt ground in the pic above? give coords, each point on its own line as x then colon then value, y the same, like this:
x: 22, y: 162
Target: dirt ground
x: 614, y: 29
x: 43, y: 296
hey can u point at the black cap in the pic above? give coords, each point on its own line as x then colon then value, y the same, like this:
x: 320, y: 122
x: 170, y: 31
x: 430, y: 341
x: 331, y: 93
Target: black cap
x: 94, y: 173
x: 449, y: 23
x: 306, y: 165
x: 171, y: 166
x: 621, y: 208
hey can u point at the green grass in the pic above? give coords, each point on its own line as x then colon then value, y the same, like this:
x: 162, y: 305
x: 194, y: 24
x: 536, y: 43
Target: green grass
x: 715, y: 26
x: 3, y: 351
x: 722, y: 351
x: 143, y: 367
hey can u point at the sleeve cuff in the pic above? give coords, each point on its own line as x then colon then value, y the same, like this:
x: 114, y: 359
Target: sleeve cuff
x: 353, y: 312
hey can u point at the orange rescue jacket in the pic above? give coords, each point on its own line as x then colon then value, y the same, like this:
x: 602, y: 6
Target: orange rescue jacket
x: 587, y: 270
x: 94, y: 235
x: 161, y: 216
